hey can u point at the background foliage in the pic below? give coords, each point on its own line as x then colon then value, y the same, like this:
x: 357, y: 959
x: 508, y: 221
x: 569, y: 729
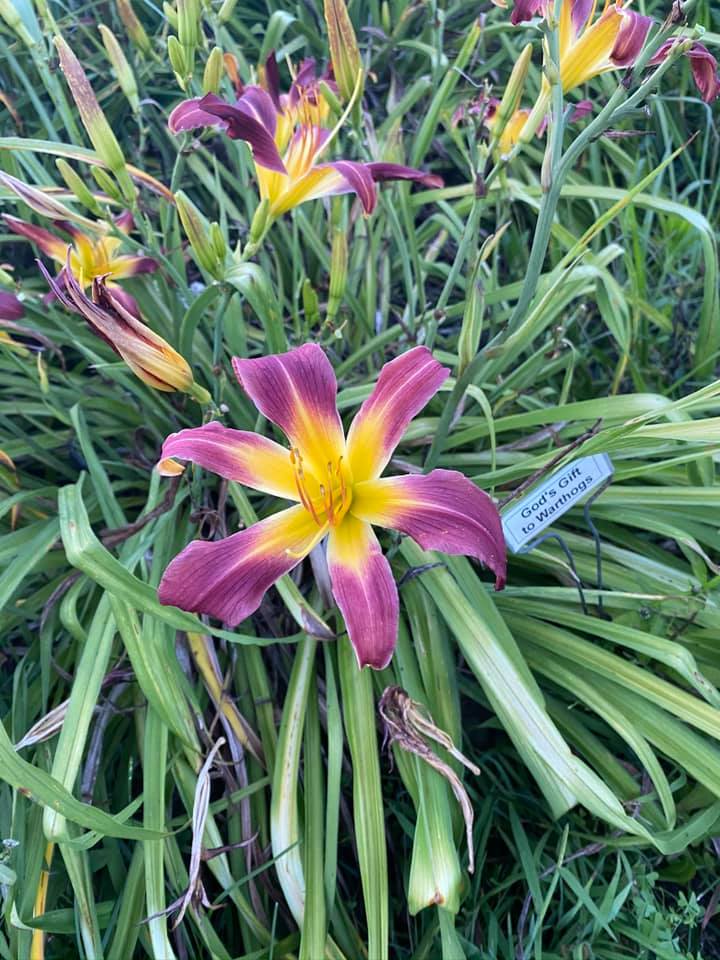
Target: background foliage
x: 111, y: 705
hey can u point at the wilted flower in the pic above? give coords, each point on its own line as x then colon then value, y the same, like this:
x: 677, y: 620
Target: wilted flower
x: 288, y: 140
x: 149, y: 357
x: 89, y: 257
x: 702, y: 63
x: 339, y: 494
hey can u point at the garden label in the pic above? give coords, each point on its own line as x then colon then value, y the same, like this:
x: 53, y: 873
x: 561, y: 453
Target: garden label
x: 546, y: 503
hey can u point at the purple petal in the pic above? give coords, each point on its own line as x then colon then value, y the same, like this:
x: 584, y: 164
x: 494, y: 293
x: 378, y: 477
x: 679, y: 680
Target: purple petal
x: 365, y: 591
x: 250, y: 120
x: 580, y: 11
x: 272, y: 80
x: 359, y: 180
x: 247, y: 458
x: 631, y: 38
x: 382, y: 172
x: 526, y: 10
x: 705, y: 71
x: 441, y: 510
x: 228, y: 578
x: 403, y: 388
x: 188, y: 115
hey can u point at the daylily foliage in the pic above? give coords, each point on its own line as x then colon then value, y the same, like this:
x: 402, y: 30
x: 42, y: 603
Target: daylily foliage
x: 336, y: 484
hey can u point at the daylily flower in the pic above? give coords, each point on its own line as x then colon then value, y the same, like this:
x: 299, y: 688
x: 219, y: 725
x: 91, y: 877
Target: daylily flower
x: 703, y: 64
x: 288, y: 141
x: 149, y: 356
x: 588, y: 46
x: 89, y: 257
x: 336, y: 484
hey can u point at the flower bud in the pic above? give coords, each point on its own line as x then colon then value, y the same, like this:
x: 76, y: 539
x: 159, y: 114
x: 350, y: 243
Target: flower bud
x: 311, y: 308
x: 123, y: 70
x: 176, y: 56
x: 471, y: 330
x: 93, y: 119
x: 338, y: 273
x: 11, y: 16
x: 197, y: 230
x: 149, y: 356
x: 106, y: 183
x: 226, y: 10
x: 344, y: 51
x: 170, y: 14
x: 510, y: 102
x: 135, y: 29
x: 77, y: 185
x: 214, y: 70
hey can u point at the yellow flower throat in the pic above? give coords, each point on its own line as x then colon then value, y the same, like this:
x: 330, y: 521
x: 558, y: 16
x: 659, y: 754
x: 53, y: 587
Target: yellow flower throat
x: 326, y: 500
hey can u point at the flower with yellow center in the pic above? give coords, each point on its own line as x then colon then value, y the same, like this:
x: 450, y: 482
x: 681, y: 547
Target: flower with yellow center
x: 289, y: 141
x: 336, y: 485
x: 89, y: 257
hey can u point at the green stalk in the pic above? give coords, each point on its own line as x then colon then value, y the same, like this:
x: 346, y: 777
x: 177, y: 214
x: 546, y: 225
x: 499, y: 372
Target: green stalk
x: 154, y: 767
x: 368, y: 812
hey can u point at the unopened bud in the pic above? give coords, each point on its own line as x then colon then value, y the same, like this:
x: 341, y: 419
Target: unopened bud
x: 331, y: 99
x: 123, y: 70
x: 176, y: 56
x: 78, y: 186
x: 214, y: 70
x: 513, y: 94
x: 338, y: 274
x: 471, y: 329
x: 344, y: 50
x: 135, y: 29
x: 10, y: 14
x: 170, y: 14
x: 260, y: 221
x: 106, y: 183
x: 93, y: 119
x: 226, y: 10
x: 197, y: 230
x: 311, y: 306
x: 218, y: 242
x: 188, y: 23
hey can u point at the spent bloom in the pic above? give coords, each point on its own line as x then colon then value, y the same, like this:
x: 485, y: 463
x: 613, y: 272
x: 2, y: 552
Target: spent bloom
x: 336, y: 485
x: 288, y: 139
x: 149, y: 356
x: 88, y: 257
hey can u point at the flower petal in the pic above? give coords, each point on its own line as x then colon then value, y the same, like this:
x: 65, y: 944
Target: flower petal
x: 383, y: 172
x: 189, y: 115
x: 365, y: 591
x: 359, y: 180
x: 403, y: 388
x: 228, y: 578
x: 297, y: 391
x: 441, y: 510
x: 234, y: 454
x: 130, y: 265
x: 45, y: 241
x: 705, y: 71
x: 631, y: 38
x: 252, y: 119
x: 526, y: 10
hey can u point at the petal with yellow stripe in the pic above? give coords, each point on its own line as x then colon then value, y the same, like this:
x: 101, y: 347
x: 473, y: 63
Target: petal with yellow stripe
x: 238, y: 455
x: 403, y: 388
x: 228, y: 578
x: 297, y: 390
x: 442, y: 510
x: 365, y: 591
